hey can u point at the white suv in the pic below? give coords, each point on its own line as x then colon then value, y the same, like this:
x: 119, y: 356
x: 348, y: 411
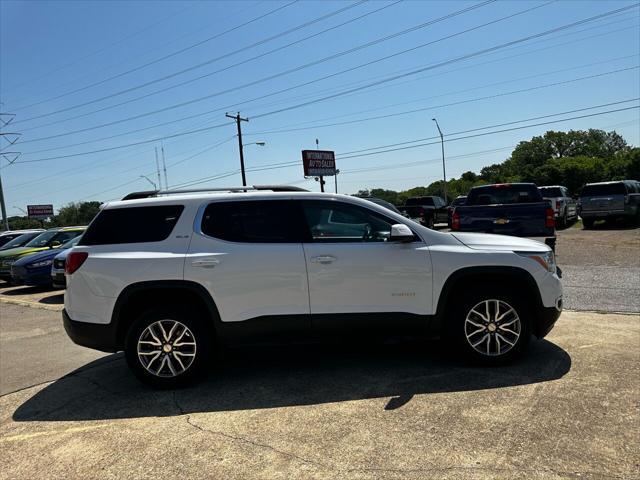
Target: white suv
x: 170, y: 277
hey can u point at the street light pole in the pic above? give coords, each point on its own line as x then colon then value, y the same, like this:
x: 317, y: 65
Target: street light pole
x: 444, y: 171
x: 155, y: 187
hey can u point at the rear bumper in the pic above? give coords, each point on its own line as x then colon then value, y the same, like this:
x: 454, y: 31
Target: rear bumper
x: 605, y: 213
x: 92, y: 335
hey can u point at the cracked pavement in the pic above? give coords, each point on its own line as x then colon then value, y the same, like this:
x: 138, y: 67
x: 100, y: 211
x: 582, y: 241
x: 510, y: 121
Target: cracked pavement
x: 405, y: 409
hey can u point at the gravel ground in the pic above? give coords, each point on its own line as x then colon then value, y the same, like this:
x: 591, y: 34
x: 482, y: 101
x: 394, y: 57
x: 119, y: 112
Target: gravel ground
x: 601, y: 269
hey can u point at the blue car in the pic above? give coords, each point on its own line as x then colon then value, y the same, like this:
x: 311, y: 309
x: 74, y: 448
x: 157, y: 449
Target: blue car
x: 35, y: 269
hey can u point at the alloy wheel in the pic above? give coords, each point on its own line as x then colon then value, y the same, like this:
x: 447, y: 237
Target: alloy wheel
x: 492, y: 327
x: 166, y: 348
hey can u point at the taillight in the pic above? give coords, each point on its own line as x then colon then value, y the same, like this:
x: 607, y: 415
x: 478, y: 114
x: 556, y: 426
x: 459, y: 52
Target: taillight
x: 455, y: 221
x: 550, y: 221
x: 74, y: 261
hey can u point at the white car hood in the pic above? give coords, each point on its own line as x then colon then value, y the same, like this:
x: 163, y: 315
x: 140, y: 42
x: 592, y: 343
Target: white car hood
x: 488, y: 241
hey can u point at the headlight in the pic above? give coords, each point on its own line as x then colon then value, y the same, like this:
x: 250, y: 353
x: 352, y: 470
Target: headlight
x: 546, y: 259
x: 44, y: 263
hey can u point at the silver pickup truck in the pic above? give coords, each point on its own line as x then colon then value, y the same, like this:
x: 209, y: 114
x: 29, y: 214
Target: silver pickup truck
x: 610, y: 201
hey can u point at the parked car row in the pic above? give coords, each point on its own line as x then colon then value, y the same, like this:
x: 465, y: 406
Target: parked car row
x: 597, y: 201
x: 36, y: 258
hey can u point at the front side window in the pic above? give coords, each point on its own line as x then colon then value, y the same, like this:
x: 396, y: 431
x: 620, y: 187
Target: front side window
x: 340, y: 222
x: 42, y: 240
x: 266, y: 221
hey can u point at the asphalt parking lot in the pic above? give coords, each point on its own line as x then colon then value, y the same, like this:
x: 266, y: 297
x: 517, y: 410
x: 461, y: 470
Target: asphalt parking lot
x: 570, y: 409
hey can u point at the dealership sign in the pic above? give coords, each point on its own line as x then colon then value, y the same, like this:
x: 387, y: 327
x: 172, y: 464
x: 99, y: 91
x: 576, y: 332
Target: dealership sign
x: 40, y: 211
x: 318, y: 163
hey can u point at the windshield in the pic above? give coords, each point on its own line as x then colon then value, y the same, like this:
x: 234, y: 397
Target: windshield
x: 41, y: 240
x: 550, y: 192
x: 604, y: 189
x: 19, y: 241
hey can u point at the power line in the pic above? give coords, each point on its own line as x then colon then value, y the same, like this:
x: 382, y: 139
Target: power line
x: 102, y: 49
x: 300, y: 67
x: 340, y: 123
x: 513, y: 92
x: 490, y: 133
x: 173, y: 54
x: 194, y: 67
x: 62, y: 147
x: 346, y: 155
x: 464, y: 57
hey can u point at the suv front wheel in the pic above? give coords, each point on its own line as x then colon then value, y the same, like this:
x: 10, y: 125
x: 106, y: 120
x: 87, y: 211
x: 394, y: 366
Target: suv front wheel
x: 167, y: 348
x: 491, y: 327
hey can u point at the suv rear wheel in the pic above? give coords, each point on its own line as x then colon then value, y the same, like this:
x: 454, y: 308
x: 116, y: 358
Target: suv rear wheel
x: 491, y: 326
x: 167, y: 348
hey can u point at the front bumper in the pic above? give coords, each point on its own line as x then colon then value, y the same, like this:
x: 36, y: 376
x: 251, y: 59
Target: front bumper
x: 91, y: 335
x: 33, y: 277
x: 547, y: 318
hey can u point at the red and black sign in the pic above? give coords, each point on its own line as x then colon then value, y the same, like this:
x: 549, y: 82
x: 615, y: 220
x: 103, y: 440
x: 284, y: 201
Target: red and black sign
x: 40, y: 211
x: 319, y: 163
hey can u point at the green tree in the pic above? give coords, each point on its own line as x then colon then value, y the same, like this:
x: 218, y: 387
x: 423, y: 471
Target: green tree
x: 77, y: 213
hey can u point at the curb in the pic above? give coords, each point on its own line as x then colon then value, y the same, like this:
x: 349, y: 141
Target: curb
x: 30, y: 304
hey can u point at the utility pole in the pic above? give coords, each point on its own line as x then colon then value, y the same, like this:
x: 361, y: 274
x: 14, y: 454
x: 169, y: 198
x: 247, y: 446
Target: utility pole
x: 321, y: 177
x: 158, y: 170
x: 6, y: 136
x: 335, y: 178
x: 239, y: 119
x: 444, y: 171
x: 164, y: 167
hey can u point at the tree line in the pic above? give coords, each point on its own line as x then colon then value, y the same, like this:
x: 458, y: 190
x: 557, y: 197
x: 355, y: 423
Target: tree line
x: 571, y: 158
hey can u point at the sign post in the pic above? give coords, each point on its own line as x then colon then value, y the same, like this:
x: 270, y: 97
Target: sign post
x: 40, y: 211
x: 319, y: 163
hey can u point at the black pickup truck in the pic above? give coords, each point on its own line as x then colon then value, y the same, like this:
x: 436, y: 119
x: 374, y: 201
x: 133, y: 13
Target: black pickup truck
x: 425, y: 210
x: 516, y: 209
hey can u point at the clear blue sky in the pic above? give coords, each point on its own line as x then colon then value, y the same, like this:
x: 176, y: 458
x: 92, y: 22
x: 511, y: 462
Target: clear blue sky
x: 57, y: 56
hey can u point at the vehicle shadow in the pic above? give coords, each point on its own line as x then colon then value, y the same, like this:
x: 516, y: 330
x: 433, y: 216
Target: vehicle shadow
x: 24, y: 290
x: 56, y: 299
x: 287, y: 376
x: 612, y: 225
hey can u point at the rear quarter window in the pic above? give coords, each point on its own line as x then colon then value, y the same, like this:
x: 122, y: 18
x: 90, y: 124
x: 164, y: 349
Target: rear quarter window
x: 604, y: 189
x: 132, y: 225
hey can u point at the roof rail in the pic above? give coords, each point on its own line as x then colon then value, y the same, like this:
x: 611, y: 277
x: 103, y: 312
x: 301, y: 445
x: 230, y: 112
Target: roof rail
x: 154, y: 193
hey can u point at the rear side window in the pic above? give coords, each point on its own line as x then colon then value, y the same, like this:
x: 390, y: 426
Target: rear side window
x: 503, y: 194
x: 267, y: 221
x: 604, y: 189
x: 132, y: 225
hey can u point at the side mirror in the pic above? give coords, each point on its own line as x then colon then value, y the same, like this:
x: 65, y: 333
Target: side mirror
x: 401, y: 233
x: 55, y: 244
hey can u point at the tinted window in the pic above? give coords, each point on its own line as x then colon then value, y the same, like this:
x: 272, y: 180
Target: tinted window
x: 65, y: 236
x: 503, y: 194
x: 267, y: 221
x: 551, y: 192
x: 42, y: 240
x: 459, y: 201
x: 4, y: 239
x: 604, y: 189
x: 20, y: 241
x: 420, y: 201
x: 132, y: 225
x: 340, y: 222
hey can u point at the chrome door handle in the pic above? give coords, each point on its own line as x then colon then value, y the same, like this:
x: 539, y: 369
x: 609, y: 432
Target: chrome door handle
x: 324, y: 259
x: 205, y: 263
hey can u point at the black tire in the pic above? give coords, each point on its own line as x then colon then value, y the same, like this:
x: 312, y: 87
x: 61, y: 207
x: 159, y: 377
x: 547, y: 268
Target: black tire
x: 563, y: 221
x: 430, y: 223
x: 197, y: 333
x: 459, y: 328
x: 587, y: 223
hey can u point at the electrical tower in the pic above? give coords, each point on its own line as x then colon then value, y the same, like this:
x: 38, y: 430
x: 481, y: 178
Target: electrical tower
x: 11, y: 138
